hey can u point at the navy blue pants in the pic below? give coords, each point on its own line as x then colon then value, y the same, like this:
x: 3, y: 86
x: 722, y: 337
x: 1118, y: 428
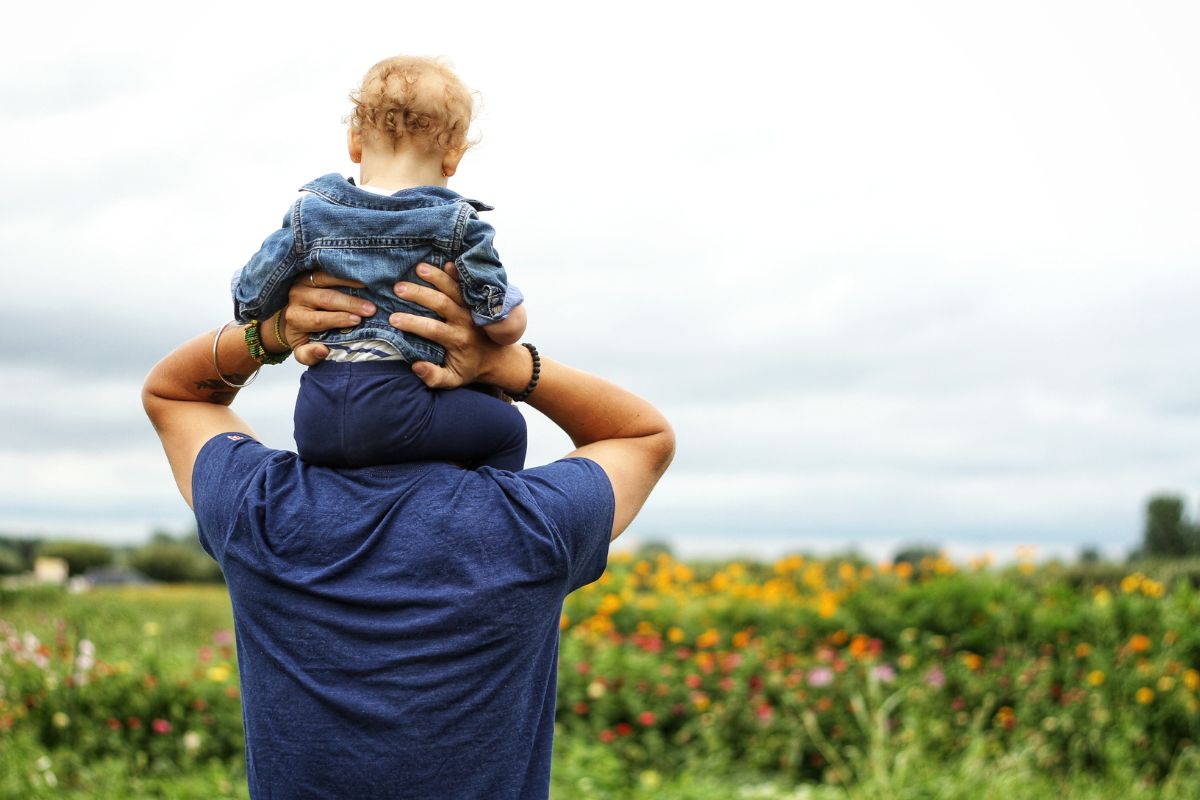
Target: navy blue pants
x: 366, y: 413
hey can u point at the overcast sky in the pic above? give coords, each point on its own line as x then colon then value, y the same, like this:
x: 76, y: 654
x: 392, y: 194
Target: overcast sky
x: 896, y: 271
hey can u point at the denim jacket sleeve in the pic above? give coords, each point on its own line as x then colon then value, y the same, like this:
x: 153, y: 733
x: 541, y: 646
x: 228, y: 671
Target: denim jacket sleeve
x: 480, y: 273
x: 260, y: 288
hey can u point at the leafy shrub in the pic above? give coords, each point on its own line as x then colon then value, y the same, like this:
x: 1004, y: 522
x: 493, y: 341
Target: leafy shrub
x: 80, y: 556
x: 174, y: 563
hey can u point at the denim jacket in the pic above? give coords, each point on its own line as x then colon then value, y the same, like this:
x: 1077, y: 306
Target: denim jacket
x: 348, y: 232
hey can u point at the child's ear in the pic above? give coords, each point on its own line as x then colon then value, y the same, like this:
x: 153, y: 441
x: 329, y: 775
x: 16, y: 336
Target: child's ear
x: 354, y: 144
x: 450, y: 162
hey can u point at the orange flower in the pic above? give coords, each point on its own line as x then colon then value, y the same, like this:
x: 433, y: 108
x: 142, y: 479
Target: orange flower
x: 972, y: 661
x: 1082, y: 650
x: 1144, y: 696
x: 710, y: 638
x: 1139, y: 643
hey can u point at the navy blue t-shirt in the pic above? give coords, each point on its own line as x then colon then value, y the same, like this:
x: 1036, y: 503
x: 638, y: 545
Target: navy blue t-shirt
x: 397, y: 627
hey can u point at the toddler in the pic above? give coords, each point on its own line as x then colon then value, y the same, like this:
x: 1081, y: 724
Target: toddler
x: 363, y: 405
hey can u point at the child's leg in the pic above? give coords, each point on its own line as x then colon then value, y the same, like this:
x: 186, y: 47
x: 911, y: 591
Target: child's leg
x: 475, y: 429
x: 378, y: 412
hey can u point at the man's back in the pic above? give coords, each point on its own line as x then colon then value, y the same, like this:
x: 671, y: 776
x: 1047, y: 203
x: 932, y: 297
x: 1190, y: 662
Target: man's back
x: 398, y: 626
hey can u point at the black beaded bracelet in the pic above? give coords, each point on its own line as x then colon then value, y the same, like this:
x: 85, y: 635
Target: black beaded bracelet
x: 533, y: 379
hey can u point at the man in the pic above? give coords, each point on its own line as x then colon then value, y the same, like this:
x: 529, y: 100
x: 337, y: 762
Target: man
x: 397, y: 626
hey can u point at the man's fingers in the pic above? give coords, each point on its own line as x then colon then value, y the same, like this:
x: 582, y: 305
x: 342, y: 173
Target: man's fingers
x: 433, y: 376
x: 329, y: 300
x: 425, y: 327
x: 311, y: 354
x: 319, y: 279
x: 444, y: 280
x: 433, y: 299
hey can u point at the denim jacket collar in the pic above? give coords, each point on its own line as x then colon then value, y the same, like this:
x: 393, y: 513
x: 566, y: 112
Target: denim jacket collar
x: 337, y: 189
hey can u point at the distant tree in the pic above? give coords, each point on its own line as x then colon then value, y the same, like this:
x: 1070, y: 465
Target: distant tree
x: 22, y: 549
x: 914, y: 553
x: 80, y: 556
x: 174, y: 562
x: 1167, y: 532
x: 10, y: 561
x: 1089, y: 554
x: 652, y: 549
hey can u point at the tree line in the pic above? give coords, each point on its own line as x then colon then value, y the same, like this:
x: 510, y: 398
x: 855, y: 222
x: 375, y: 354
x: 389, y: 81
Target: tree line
x: 164, y: 558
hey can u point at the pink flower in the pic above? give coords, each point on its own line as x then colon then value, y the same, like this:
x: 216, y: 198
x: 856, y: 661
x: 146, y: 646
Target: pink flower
x: 884, y: 673
x: 821, y: 676
x: 936, y: 678
x: 646, y: 718
x: 223, y: 637
x: 161, y: 726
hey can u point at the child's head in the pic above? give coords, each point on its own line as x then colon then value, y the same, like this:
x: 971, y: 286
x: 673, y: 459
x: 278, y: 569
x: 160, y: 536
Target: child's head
x: 412, y: 101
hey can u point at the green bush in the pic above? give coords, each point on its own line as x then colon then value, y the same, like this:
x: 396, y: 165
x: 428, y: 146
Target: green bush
x: 174, y: 563
x: 80, y: 556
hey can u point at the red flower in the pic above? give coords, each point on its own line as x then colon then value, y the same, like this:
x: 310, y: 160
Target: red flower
x: 607, y: 736
x: 114, y: 724
x: 646, y: 718
x: 581, y: 708
x: 133, y: 723
x: 161, y: 727
x: 624, y: 729
x: 199, y: 704
x: 693, y: 681
x: 765, y: 712
x: 583, y: 668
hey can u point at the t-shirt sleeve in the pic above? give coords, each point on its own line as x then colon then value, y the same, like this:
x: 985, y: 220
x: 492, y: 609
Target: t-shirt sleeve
x: 224, y: 469
x: 576, y: 498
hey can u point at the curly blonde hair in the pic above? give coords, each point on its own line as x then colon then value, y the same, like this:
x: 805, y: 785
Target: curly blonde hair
x: 414, y: 98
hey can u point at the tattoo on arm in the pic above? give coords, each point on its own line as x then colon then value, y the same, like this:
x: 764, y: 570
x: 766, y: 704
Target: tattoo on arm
x: 214, y: 390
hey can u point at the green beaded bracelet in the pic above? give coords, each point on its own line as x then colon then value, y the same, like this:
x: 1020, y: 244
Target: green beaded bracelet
x: 255, y: 346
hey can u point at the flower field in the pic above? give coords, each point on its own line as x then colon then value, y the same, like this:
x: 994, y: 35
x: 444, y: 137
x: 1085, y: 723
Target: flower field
x: 801, y: 678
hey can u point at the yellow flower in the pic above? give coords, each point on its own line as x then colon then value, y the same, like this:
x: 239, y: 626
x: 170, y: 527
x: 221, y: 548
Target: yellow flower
x: 1130, y: 583
x: 904, y: 570
x: 60, y: 719
x: 219, y: 673
x: 1191, y: 679
x: 827, y: 604
x: 609, y: 604
x: 676, y: 635
x: 151, y: 629
x: 1095, y: 677
x: 1166, y: 683
x: 1144, y: 695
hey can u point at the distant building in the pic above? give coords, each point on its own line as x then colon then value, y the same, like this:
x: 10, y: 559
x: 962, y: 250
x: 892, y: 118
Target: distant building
x: 47, y: 569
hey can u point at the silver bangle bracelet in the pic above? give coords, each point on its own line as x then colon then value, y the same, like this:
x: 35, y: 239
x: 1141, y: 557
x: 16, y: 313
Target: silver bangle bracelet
x: 217, y: 341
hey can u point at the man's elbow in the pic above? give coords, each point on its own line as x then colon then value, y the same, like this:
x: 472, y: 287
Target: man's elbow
x: 664, y: 448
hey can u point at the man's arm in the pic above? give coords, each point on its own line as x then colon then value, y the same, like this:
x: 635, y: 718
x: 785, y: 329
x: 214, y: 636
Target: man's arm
x: 185, y: 398
x: 631, y: 441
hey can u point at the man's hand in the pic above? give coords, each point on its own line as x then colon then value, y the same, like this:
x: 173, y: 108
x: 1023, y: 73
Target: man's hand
x: 314, y: 307
x: 469, y: 352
